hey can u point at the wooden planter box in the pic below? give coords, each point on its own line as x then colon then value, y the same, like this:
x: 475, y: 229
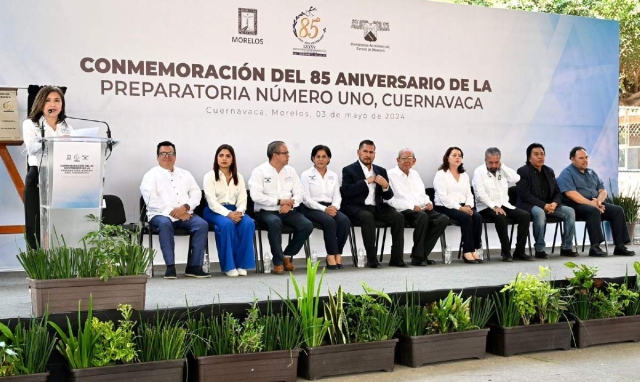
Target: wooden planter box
x: 329, y: 360
x: 415, y: 351
x: 62, y: 295
x: 606, y: 331
x: 274, y: 366
x: 40, y: 377
x: 161, y: 371
x: 525, y: 339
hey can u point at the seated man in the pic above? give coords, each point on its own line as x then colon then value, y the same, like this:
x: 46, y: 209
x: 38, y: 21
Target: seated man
x: 364, y: 186
x: 491, y: 185
x: 538, y: 193
x: 584, y: 191
x: 276, y: 192
x: 411, y: 200
x: 171, y: 195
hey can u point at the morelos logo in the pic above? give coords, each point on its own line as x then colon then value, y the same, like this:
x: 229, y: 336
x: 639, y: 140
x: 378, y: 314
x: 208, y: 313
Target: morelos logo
x: 247, y: 25
x: 370, y: 34
x: 308, y: 29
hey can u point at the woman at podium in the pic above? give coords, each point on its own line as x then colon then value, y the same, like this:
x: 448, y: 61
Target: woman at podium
x: 226, y: 195
x: 46, y: 119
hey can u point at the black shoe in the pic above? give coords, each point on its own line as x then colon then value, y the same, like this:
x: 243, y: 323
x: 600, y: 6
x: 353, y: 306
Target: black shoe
x: 418, y: 263
x: 374, y: 264
x: 469, y: 261
x: 506, y: 257
x: 170, y: 273
x: 196, y: 272
x: 621, y: 250
x: 569, y: 252
x: 522, y: 257
x: 329, y: 266
x: 429, y: 262
x: 399, y: 264
x: 542, y: 255
x: 597, y: 252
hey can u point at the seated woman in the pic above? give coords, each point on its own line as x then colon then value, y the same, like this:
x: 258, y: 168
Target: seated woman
x: 226, y: 203
x: 454, y: 199
x: 321, y: 202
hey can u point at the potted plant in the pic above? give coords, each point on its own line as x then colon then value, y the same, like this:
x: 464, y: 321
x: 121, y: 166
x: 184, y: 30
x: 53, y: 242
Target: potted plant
x: 360, y: 330
x: 98, y: 351
x: 446, y: 330
x: 110, y: 267
x: 529, y: 310
x: 630, y: 203
x: 256, y: 348
x: 604, y: 312
x: 24, y: 351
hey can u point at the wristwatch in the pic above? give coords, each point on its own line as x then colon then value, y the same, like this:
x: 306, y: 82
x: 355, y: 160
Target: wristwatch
x: 278, y: 202
x: 186, y: 206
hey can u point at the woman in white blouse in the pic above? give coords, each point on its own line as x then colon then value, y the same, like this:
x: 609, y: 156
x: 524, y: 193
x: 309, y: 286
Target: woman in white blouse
x: 226, y: 196
x: 454, y: 199
x: 48, y: 115
x: 321, y: 204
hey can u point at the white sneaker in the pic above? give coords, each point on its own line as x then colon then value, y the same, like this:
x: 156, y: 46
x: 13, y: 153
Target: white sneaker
x: 242, y: 272
x: 232, y: 273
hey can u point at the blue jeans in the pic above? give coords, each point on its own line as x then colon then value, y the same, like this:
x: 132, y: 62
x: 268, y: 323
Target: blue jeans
x: 233, y: 241
x: 274, y: 221
x: 539, y: 220
x: 197, y: 227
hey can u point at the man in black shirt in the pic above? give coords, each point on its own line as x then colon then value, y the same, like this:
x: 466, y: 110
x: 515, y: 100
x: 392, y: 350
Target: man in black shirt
x: 539, y: 194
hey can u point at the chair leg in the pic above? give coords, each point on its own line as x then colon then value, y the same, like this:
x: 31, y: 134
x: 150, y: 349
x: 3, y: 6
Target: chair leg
x: 261, y: 252
x: 604, y: 234
x: 555, y: 234
x: 255, y: 254
x: 486, y: 237
x: 377, y: 240
x: 354, y: 248
x: 443, y: 244
x: 584, y: 237
x: 384, y: 238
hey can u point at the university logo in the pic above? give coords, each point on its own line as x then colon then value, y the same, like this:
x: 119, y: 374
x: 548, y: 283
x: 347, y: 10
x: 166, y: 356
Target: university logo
x: 8, y: 106
x: 370, y: 32
x: 247, y: 26
x: 308, y: 28
x: 248, y: 21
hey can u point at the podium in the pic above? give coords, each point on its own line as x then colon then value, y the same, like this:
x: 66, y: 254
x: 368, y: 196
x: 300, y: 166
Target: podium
x: 71, y: 182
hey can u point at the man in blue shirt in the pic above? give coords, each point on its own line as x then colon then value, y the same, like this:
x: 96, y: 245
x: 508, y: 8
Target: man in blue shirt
x: 584, y: 191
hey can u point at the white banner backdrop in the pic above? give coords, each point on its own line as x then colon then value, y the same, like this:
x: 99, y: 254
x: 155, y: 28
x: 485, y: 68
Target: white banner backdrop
x: 413, y: 74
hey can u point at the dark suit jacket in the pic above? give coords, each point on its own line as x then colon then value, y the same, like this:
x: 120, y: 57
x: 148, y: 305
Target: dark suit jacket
x: 355, y: 190
x: 528, y: 187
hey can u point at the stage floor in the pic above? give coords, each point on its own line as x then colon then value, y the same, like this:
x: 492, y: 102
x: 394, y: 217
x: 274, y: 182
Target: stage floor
x: 14, y: 291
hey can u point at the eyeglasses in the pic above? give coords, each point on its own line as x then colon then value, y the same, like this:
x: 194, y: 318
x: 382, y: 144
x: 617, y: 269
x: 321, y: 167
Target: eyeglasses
x: 282, y: 153
x: 404, y: 159
x: 167, y: 154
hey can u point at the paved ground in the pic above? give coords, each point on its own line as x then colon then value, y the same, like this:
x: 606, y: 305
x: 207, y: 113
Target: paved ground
x: 620, y: 362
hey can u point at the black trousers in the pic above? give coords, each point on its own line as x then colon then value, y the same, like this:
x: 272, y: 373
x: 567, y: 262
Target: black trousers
x: 592, y: 217
x: 368, y: 216
x: 470, y: 227
x: 518, y: 216
x: 32, y: 207
x: 429, y: 225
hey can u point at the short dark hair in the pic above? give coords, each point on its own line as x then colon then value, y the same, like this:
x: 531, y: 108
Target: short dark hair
x: 233, y: 168
x: 367, y: 142
x: 530, y: 148
x: 445, y: 160
x: 273, y: 147
x: 314, y: 151
x: 574, y: 150
x: 165, y: 143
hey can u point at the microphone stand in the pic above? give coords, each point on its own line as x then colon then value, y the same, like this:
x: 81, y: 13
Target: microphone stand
x: 109, y: 142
